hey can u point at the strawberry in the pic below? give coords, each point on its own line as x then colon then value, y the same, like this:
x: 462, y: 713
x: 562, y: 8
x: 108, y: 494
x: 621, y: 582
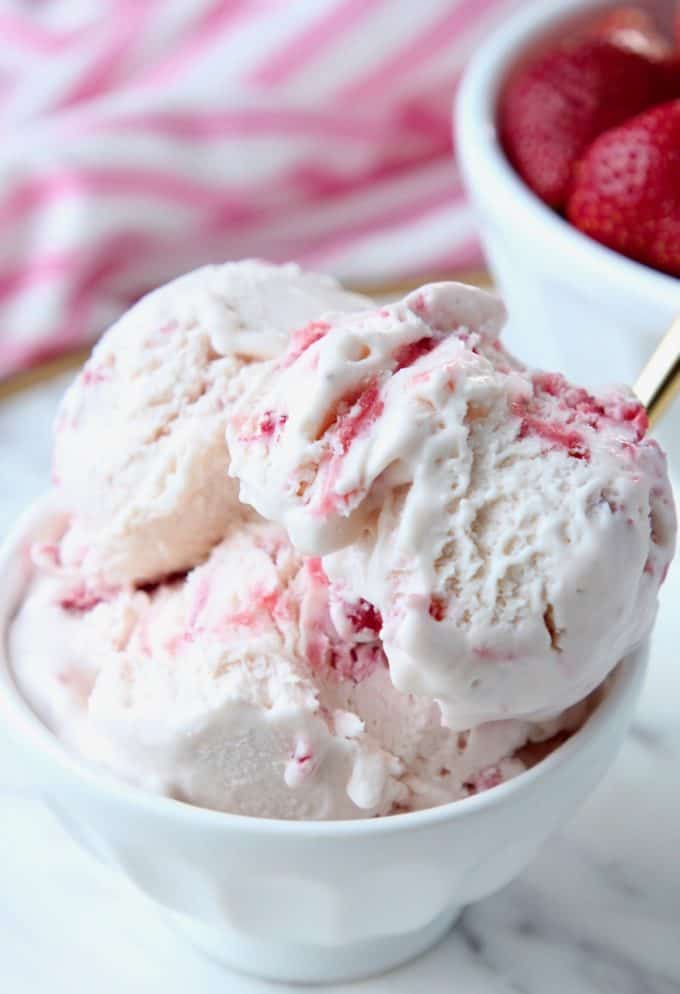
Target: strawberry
x: 633, y: 28
x: 555, y: 106
x: 627, y: 189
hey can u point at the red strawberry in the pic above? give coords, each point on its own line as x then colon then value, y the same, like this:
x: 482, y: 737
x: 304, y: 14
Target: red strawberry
x: 555, y: 106
x: 636, y: 30
x: 633, y: 28
x: 627, y: 189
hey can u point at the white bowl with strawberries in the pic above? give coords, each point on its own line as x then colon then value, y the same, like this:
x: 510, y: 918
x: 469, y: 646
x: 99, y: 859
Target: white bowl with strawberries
x: 568, y: 136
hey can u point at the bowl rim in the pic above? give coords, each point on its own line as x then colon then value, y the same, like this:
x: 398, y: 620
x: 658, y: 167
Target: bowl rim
x: 27, y: 731
x: 495, y: 182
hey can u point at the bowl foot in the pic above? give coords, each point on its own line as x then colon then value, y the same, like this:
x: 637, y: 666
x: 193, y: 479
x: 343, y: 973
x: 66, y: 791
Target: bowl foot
x: 301, y: 963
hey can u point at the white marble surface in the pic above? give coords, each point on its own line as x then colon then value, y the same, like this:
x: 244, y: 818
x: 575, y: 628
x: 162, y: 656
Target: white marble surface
x: 598, y: 911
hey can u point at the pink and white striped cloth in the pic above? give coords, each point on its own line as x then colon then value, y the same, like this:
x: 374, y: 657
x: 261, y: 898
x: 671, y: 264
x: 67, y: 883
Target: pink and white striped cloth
x: 142, y: 138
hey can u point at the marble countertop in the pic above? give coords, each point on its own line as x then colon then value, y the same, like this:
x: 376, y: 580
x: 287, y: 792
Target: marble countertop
x: 597, y: 911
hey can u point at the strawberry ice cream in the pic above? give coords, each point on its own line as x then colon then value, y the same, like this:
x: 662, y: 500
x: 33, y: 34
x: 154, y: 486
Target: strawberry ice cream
x: 511, y: 530
x: 305, y: 432
x: 232, y: 688
x: 436, y: 557
x: 140, y: 462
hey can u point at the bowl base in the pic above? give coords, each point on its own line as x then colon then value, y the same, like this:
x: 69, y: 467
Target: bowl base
x: 291, y: 962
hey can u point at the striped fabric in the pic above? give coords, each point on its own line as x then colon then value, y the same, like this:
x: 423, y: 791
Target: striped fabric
x: 144, y: 137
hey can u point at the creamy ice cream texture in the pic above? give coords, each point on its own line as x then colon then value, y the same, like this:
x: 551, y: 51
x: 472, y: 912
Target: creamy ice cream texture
x: 474, y: 546
x: 511, y: 529
x: 232, y: 688
x: 139, y: 459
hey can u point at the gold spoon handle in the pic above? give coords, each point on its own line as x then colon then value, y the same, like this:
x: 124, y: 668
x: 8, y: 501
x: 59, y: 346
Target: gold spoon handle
x: 659, y: 381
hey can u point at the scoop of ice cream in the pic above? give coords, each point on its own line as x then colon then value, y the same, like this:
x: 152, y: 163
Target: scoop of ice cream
x: 511, y: 530
x: 140, y: 457
x: 249, y: 686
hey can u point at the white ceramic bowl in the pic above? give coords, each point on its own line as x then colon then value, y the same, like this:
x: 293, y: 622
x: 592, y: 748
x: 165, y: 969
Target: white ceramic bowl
x: 305, y: 901
x: 574, y: 305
